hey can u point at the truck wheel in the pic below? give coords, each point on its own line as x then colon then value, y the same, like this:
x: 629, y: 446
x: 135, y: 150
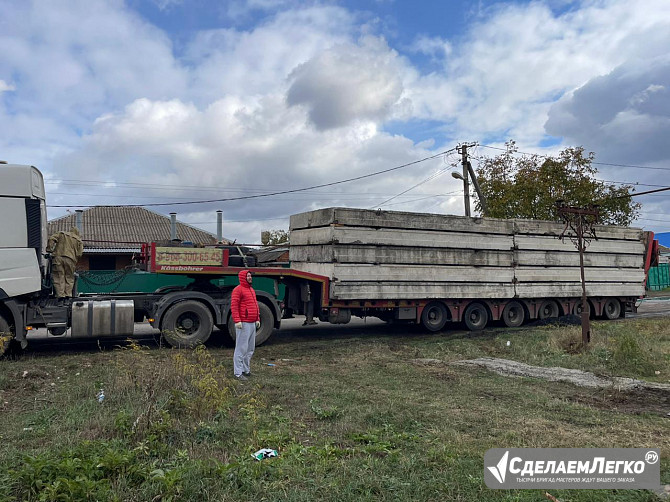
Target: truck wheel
x: 6, y: 336
x: 476, y: 316
x: 434, y: 316
x: 611, y: 309
x: 267, y: 325
x: 187, y: 324
x: 548, y: 310
x: 513, y: 315
x: 577, y: 309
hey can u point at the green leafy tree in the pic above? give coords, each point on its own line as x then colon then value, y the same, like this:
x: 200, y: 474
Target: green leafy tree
x: 274, y: 237
x: 528, y: 186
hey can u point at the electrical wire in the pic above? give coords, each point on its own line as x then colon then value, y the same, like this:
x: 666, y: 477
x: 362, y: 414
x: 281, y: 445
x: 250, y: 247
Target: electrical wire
x: 430, y: 178
x: 597, y: 163
x: 246, y: 197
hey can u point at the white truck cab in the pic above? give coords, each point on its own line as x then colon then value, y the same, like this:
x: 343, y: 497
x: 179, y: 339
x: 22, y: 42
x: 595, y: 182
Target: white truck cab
x: 23, y: 234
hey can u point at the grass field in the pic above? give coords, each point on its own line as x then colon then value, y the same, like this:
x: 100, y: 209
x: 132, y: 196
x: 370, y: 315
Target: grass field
x: 352, y: 417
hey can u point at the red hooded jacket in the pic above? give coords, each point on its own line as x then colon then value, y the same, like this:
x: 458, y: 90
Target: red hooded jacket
x: 243, y: 303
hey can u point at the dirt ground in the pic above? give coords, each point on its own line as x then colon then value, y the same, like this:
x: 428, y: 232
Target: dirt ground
x: 623, y: 395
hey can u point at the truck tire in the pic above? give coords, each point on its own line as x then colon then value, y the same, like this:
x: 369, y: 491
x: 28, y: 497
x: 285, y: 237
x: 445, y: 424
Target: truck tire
x: 187, y: 324
x: 548, y: 310
x: 6, y: 336
x: 577, y: 309
x: 513, y: 314
x: 476, y: 317
x: 434, y: 316
x: 264, y: 332
x: 611, y: 309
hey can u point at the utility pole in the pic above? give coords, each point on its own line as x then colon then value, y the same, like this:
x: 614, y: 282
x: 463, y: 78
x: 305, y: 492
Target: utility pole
x: 463, y: 150
x: 580, y: 221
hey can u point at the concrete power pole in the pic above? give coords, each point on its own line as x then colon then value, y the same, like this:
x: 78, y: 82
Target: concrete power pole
x: 466, y: 183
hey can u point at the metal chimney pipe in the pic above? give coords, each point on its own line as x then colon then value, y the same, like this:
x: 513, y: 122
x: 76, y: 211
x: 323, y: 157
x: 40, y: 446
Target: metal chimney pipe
x: 173, y: 226
x: 219, y: 226
x: 79, y: 218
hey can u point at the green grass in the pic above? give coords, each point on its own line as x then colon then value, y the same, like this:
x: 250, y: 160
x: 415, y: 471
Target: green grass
x: 353, y: 418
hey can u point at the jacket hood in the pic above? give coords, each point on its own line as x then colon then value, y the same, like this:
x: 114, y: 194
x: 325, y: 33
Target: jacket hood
x: 242, y: 276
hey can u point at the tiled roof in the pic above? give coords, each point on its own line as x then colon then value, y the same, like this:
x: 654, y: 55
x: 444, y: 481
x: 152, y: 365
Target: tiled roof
x: 126, y: 227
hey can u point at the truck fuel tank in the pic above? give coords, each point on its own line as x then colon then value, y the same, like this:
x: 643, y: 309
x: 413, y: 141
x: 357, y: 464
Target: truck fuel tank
x: 93, y: 318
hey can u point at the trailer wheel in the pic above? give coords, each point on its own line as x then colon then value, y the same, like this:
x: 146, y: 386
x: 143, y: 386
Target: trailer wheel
x: 264, y: 332
x: 6, y: 336
x: 578, y: 308
x: 513, y: 314
x: 548, y: 310
x: 611, y: 309
x: 187, y: 324
x: 434, y: 316
x: 476, y: 316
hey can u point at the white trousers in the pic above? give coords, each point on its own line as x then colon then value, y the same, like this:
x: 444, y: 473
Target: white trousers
x: 245, y: 342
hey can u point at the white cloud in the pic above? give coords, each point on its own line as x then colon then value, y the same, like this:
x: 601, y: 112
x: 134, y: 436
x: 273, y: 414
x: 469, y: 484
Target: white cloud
x: 302, y: 97
x: 625, y: 114
x: 348, y: 82
x: 519, y: 58
x: 4, y: 86
x: 259, y: 61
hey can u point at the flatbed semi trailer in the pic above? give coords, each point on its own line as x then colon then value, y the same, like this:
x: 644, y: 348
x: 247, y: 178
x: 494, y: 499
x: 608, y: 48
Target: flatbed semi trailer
x: 405, y: 267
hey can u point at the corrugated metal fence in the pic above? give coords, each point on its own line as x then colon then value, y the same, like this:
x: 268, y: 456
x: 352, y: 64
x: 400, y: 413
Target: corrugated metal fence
x: 659, y: 277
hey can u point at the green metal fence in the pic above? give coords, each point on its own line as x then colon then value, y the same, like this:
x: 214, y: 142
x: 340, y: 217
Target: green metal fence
x: 659, y: 277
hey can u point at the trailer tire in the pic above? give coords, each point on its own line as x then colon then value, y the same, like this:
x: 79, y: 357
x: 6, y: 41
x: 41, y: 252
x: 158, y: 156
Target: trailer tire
x: 476, y: 317
x: 548, y: 310
x: 187, y: 324
x: 6, y: 336
x: 577, y: 309
x: 434, y: 316
x: 513, y: 314
x: 611, y: 309
x: 267, y: 325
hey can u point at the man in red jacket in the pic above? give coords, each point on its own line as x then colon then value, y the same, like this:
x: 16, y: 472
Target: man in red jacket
x: 246, y: 315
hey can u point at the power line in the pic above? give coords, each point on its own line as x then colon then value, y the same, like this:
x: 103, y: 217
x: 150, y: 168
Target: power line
x: 431, y: 177
x: 275, y: 193
x: 597, y: 163
x: 641, y: 193
x: 651, y: 219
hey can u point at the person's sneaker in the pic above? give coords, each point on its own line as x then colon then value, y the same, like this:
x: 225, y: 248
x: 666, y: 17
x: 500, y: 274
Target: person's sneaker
x: 240, y: 377
x: 246, y: 373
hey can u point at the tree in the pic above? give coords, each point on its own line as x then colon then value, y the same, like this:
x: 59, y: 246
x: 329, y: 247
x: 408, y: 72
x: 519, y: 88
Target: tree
x: 274, y: 237
x: 528, y: 186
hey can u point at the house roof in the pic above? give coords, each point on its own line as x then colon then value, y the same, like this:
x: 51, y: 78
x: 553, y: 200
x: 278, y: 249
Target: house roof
x: 270, y: 255
x: 125, y: 228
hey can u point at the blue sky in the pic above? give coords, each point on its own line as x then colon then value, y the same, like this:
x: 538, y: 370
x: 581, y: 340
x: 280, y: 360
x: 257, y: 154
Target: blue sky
x: 154, y: 101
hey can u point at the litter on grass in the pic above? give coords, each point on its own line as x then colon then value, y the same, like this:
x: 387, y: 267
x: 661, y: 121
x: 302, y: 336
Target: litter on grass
x: 265, y: 453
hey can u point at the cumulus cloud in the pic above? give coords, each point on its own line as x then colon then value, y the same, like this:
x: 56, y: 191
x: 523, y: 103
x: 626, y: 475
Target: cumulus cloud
x: 624, y: 114
x: 238, y: 147
x: 521, y: 58
x: 308, y: 93
x: 348, y: 82
x: 257, y: 61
